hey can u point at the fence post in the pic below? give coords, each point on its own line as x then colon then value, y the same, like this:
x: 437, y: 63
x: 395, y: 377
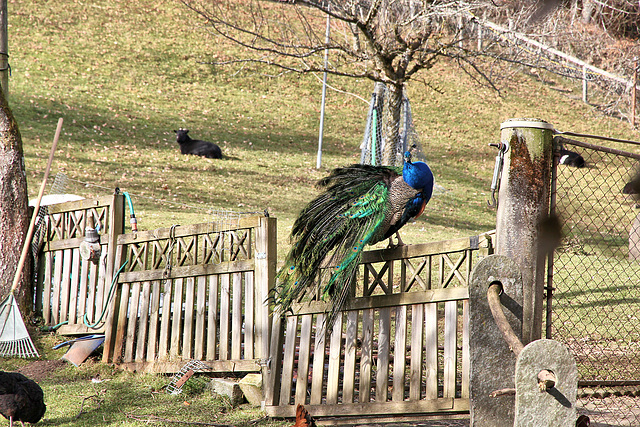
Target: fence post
x: 523, y: 204
x: 266, y: 257
x: 116, y: 228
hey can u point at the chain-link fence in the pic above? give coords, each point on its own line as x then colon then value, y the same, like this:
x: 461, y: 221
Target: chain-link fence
x: 595, y: 299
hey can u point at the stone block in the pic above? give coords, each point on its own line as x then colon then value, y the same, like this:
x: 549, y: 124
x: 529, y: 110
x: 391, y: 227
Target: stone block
x: 229, y: 388
x: 251, y: 386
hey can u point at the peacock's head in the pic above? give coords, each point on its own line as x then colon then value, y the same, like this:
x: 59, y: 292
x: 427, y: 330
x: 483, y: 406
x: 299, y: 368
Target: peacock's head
x: 417, y: 174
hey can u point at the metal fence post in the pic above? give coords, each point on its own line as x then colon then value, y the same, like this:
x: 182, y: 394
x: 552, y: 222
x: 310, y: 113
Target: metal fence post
x: 523, y: 205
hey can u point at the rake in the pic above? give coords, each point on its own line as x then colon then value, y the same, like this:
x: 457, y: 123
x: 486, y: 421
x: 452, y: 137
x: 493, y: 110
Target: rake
x: 14, y: 337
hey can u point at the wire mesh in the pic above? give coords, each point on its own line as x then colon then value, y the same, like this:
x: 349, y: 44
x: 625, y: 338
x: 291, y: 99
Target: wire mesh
x: 376, y: 135
x: 596, y: 300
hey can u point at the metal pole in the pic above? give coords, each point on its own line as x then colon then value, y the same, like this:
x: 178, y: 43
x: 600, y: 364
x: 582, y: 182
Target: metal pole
x: 324, y: 95
x: 633, y: 92
x: 585, y: 96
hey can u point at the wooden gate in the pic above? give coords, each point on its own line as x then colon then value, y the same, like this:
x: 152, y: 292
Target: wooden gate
x: 400, y: 349
x: 193, y: 292
x: 71, y: 292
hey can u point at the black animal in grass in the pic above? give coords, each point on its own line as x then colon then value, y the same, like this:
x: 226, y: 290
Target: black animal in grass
x: 571, y: 158
x: 196, y: 146
x: 21, y: 399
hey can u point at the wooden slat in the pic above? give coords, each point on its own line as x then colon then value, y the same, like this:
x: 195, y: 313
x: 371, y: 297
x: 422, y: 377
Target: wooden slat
x: 318, y: 361
x: 438, y: 406
x: 188, y: 325
x: 79, y: 205
x: 57, y: 286
x: 189, y: 271
x: 466, y: 356
x: 74, y: 287
x: 412, y: 251
x: 143, y: 322
x: 189, y: 230
x: 131, y: 307
x: 431, y: 350
x: 382, y: 373
x: 165, y: 320
x: 219, y: 366
x: 450, y: 348
x: 350, y: 347
x: 288, y: 359
x: 121, y: 323
x: 65, y: 284
x: 154, y: 321
x: 201, y: 292
x: 84, y: 286
x: 212, y: 318
x: 249, y: 315
x: 176, y: 320
x: 101, y: 287
x: 335, y: 348
x: 48, y: 282
x: 272, y: 386
x: 304, y: 354
x: 225, y: 312
x: 92, y: 286
x: 381, y: 301
x: 400, y: 354
x: 366, y: 360
x: 236, y: 317
x: 417, y: 340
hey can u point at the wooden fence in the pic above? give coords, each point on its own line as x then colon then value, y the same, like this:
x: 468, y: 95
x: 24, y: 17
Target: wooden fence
x: 401, y: 348
x: 177, y: 294
x: 193, y: 292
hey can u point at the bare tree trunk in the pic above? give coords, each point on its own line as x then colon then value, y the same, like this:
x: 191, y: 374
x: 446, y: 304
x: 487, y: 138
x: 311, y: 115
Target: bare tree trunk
x: 14, y: 218
x: 392, y: 115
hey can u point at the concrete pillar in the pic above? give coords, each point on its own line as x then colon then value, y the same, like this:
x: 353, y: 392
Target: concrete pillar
x: 492, y: 361
x: 523, y: 204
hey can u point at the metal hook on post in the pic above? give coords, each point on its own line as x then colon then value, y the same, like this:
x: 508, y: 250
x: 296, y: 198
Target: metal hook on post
x: 502, y: 147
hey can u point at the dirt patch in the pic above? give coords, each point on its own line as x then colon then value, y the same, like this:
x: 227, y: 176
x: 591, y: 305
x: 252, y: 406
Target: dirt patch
x: 41, y: 369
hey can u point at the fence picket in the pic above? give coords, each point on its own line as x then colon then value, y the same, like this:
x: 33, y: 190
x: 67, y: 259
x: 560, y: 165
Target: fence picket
x: 212, y: 318
x: 400, y: 354
x: 200, y: 318
x: 236, y: 317
x: 303, y: 359
x: 187, y: 326
x: 350, y: 347
x: 318, y: 361
x: 450, y: 348
x: 415, y: 377
x: 431, y: 349
x: 152, y: 343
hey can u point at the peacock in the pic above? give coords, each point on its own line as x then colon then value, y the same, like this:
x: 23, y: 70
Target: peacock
x: 360, y: 205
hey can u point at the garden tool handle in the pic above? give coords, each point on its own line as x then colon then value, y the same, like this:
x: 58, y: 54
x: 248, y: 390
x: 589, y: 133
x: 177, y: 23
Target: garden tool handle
x: 32, y: 224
